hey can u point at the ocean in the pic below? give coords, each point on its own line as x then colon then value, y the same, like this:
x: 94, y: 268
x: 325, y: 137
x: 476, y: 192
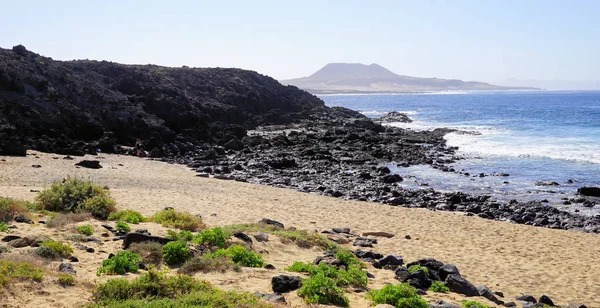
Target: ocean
x: 534, y: 136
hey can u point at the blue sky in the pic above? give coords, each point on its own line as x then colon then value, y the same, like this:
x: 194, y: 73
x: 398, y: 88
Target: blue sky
x: 470, y: 40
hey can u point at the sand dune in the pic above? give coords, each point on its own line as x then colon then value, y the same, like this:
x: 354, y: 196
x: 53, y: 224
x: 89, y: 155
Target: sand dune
x: 506, y: 257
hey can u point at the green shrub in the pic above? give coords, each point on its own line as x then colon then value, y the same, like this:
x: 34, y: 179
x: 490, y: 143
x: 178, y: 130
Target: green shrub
x: 319, y: 289
x: 76, y: 238
x: 212, y: 237
x: 300, y: 267
x: 74, y: 195
x: 302, y: 238
x: 47, y: 213
x: 45, y: 252
x: 468, y: 304
x: 150, y: 252
x: 416, y: 268
x: 156, y: 290
x: 61, y: 250
x: 239, y: 255
x: 85, y: 229
x: 352, y: 276
x: 122, y: 226
x: 178, y: 220
x: 9, y: 208
x: 10, y: 270
x: 400, y: 296
x: 176, y: 252
x: 439, y: 287
x: 121, y: 263
x: 130, y: 216
x: 205, y: 265
x: 66, y: 280
x: 3, y: 227
x: 183, y: 235
x: 347, y: 258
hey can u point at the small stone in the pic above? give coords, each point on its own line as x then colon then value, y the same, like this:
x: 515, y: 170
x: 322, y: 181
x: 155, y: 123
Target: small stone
x: 261, y: 237
x: 270, y: 267
x: 378, y: 233
x: 283, y: 283
x: 341, y: 230
x: 36, y: 166
x: 67, y: 268
x: 90, y: 249
x: 73, y: 259
x: 407, y: 237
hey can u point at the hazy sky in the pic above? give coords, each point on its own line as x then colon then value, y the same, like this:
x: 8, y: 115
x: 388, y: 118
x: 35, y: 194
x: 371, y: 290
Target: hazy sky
x: 470, y: 40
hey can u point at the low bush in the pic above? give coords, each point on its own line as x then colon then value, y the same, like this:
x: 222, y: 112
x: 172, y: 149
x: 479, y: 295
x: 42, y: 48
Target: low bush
x: 150, y: 252
x: 74, y: 195
x: 206, y: 265
x: 319, y: 289
x: 347, y: 258
x: 400, y: 296
x: 176, y: 252
x: 183, y: 235
x: 352, y: 276
x: 9, y: 208
x: 3, y: 227
x: 85, y: 229
x: 130, y: 216
x: 156, y: 290
x: 123, y: 262
x: 122, y: 226
x: 61, y: 250
x: 470, y: 304
x: 212, y: 237
x: 66, y: 280
x: 416, y: 268
x: 47, y: 213
x: 178, y: 220
x: 302, y: 238
x: 45, y: 252
x: 11, y: 270
x: 239, y: 255
x: 3, y: 249
x: 439, y: 287
x: 61, y: 220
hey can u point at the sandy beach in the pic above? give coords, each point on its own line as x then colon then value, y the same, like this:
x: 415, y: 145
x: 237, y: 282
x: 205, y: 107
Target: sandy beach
x: 510, y: 258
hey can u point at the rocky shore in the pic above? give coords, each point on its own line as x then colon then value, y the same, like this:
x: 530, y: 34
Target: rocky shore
x: 347, y: 156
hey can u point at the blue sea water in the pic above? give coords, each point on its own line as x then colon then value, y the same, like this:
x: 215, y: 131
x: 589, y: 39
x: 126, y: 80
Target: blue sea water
x: 531, y: 135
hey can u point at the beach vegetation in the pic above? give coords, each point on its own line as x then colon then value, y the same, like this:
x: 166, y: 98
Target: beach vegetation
x: 205, y: 265
x: 60, y: 249
x: 122, y: 226
x: 10, y: 208
x: 123, y: 262
x: 76, y: 238
x: 176, y: 252
x: 320, y: 289
x: 439, y: 287
x: 23, y: 270
x: 470, y: 304
x: 416, y: 268
x: 157, y: 290
x: 3, y: 227
x: 182, y: 235
x: 66, y: 280
x: 212, y: 237
x: 178, y: 220
x: 302, y: 238
x: 400, y: 296
x: 74, y: 195
x: 238, y: 255
x: 129, y: 216
x: 353, y: 275
x: 61, y: 220
x: 85, y: 230
x: 149, y: 252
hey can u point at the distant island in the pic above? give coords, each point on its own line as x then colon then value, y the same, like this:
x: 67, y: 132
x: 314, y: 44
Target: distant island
x: 361, y: 78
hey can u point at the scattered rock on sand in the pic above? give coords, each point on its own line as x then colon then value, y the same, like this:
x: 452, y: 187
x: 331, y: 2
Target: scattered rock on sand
x: 341, y: 230
x: 91, y: 164
x: 378, y: 233
x: 133, y: 237
x: 10, y: 238
x: 261, y: 237
x: 18, y: 243
x: 487, y: 293
x: 244, y: 237
x: 460, y: 285
x: 268, y: 221
x: 67, y: 268
x: 284, y: 283
x: 546, y: 300
x: 273, y: 298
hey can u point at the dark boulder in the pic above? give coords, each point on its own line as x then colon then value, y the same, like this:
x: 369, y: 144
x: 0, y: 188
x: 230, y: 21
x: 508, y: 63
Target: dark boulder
x: 447, y: 269
x: 395, y: 116
x: 67, y: 268
x: 589, y: 191
x: 487, y: 293
x: 527, y: 298
x: 268, y: 221
x: 244, y: 237
x: 367, y: 254
x: 390, y: 262
x: 419, y: 280
x: 391, y: 178
x: 401, y: 273
x: 458, y: 284
x: 133, y: 237
x: 429, y: 263
x: 283, y: 283
x: 546, y: 300
x: 91, y: 164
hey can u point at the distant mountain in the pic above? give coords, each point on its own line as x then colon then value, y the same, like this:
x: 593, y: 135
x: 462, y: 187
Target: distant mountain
x: 356, y: 77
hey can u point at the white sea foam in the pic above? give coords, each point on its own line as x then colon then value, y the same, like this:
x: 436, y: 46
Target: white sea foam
x: 380, y: 113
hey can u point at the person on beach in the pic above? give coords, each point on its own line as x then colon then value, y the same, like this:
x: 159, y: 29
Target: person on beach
x: 138, y: 147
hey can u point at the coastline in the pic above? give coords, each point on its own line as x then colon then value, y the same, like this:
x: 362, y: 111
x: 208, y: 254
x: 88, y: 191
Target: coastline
x: 507, y: 257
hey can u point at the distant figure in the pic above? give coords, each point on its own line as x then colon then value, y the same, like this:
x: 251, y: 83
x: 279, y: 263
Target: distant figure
x: 138, y: 147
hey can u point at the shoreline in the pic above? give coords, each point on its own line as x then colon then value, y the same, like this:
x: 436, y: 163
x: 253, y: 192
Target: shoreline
x: 507, y: 257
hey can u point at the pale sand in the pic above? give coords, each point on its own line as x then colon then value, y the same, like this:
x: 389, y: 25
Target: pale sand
x: 506, y: 257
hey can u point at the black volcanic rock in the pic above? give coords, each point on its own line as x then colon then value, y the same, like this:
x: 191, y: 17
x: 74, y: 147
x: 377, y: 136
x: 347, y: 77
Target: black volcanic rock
x: 589, y: 191
x: 69, y: 107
